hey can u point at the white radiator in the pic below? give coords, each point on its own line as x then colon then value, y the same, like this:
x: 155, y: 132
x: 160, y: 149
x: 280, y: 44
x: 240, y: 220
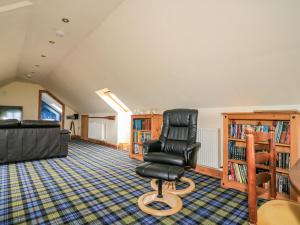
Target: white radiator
x: 97, y: 129
x: 209, y: 153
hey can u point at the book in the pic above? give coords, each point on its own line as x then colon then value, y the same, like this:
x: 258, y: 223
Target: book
x: 236, y: 152
x: 282, y: 131
x: 142, y: 124
x: 237, y: 172
x: 282, y: 183
x: 232, y: 172
x: 238, y: 175
x: 288, y: 135
x: 283, y: 160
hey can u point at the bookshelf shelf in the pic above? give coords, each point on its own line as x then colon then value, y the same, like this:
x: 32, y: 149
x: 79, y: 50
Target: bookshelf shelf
x: 261, y: 192
x: 280, y: 170
x: 237, y: 161
x: 137, y: 156
x: 141, y: 130
x: 287, y: 148
x: 244, y: 141
x: 143, y: 127
x: 138, y: 143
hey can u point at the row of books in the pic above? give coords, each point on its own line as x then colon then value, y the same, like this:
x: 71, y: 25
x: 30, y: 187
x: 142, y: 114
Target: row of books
x: 237, y: 172
x: 282, y: 131
x: 238, y: 131
x: 283, y: 160
x: 141, y: 137
x: 282, y: 183
x: 138, y: 149
x: 235, y: 152
x: 239, y: 153
x: 142, y: 124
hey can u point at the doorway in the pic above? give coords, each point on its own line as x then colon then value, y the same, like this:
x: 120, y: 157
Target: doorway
x: 51, y: 108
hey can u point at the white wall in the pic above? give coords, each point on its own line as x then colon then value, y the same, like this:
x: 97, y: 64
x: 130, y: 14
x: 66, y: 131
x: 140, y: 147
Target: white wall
x: 27, y: 95
x: 124, y: 129
x: 69, y: 111
x: 22, y: 94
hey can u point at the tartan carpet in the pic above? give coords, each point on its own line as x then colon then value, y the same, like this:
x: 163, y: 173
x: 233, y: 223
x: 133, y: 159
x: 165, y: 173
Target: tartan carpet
x: 98, y: 185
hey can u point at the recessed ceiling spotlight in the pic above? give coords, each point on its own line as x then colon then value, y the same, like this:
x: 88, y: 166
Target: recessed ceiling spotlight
x: 65, y: 20
x: 60, y: 33
x: 28, y: 76
x: 52, y: 42
x: 43, y: 56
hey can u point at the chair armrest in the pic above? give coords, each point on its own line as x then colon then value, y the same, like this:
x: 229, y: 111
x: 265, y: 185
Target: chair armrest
x: 152, y: 146
x: 194, y: 147
x: 191, y: 154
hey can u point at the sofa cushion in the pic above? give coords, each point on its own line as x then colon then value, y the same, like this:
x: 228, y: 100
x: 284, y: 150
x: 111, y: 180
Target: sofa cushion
x: 9, y: 123
x: 39, y: 124
x: 166, y: 158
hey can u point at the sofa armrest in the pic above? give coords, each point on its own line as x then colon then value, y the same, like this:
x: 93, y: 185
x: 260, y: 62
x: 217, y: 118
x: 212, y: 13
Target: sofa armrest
x: 64, y: 131
x: 152, y: 146
x: 65, y: 137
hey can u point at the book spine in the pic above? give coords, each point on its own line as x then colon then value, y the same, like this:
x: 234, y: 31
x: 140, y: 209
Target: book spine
x: 232, y: 172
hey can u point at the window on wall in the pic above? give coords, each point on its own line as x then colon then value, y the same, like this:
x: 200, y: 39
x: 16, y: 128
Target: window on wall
x: 51, y: 108
x: 50, y: 112
x: 124, y: 114
x: 11, y: 112
x: 113, y: 101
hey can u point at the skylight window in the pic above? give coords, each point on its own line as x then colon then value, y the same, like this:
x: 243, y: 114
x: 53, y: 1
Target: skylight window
x: 113, y: 101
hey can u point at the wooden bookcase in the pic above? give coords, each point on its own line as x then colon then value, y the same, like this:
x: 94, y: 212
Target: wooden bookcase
x: 143, y: 127
x: 292, y: 147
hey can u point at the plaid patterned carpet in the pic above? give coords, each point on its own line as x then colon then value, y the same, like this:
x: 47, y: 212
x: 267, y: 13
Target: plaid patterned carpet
x: 98, y: 185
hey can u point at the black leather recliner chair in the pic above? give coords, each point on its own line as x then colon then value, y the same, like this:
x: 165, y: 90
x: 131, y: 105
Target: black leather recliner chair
x: 177, y: 144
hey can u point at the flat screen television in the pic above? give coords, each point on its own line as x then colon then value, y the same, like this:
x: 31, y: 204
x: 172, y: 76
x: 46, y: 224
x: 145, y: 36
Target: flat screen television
x: 11, y: 112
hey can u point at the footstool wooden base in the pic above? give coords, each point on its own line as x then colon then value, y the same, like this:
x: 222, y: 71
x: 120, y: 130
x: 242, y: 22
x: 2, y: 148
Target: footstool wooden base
x: 170, y: 199
x: 161, y: 172
x: 170, y: 186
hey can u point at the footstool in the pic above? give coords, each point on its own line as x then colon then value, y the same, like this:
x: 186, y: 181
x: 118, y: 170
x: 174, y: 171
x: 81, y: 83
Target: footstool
x: 161, y: 172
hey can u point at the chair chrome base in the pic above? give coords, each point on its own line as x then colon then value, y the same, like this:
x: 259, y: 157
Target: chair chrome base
x: 170, y: 199
x: 170, y: 187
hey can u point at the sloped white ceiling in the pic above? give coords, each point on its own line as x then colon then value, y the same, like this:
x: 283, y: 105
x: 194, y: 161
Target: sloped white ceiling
x: 156, y: 54
x: 13, y: 27
x: 25, y: 34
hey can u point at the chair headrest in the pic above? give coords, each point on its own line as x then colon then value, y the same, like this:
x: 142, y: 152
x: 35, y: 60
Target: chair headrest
x: 181, y: 117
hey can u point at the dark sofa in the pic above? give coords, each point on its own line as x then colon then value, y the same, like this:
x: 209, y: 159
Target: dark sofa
x: 32, y: 140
